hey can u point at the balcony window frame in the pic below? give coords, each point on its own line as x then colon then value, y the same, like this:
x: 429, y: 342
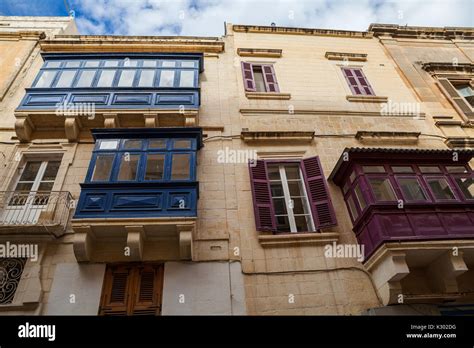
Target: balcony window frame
x: 143, y: 152
x: 119, y: 68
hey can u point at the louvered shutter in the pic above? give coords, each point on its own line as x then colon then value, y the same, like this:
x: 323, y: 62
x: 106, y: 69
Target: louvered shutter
x: 262, y: 199
x: 249, y: 81
x: 148, y: 290
x: 364, y: 84
x: 460, y: 104
x: 116, y: 291
x: 318, y: 193
x: 270, y: 78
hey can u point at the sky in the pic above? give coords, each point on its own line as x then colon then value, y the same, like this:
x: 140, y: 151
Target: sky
x: 207, y: 17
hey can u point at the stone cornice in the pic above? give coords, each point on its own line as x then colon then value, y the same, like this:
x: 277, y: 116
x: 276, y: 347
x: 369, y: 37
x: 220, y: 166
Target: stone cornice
x: 22, y: 34
x: 436, y: 67
x: 258, y: 29
x: 100, y: 43
x: 412, y: 32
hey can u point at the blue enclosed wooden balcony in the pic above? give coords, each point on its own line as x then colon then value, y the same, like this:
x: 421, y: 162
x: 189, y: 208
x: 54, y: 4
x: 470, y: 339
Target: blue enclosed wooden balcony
x: 141, y: 185
x: 74, y: 92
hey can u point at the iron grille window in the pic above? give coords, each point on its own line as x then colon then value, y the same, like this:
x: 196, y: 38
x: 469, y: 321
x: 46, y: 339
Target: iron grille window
x: 11, y: 270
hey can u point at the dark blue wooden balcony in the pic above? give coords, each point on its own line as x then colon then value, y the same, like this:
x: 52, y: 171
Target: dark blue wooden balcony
x: 141, y: 173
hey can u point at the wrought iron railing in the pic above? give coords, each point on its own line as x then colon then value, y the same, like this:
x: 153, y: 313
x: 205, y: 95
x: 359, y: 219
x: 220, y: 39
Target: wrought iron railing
x: 18, y: 208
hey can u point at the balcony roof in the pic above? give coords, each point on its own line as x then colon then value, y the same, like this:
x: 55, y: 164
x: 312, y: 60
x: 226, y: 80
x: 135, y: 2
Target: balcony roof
x: 389, y: 154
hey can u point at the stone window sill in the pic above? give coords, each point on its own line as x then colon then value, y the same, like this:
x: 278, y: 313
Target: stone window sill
x: 290, y: 239
x: 366, y: 99
x: 268, y: 95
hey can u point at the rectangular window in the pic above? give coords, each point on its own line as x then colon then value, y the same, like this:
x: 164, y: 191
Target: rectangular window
x: 292, y: 210
x: 149, y: 63
x: 167, y: 78
x: 86, y: 78
x: 259, y: 78
x: 126, y: 78
x: 106, y: 78
x: 352, y: 208
x: 92, y: 63
x: 411, y: 189
x: 180, y: 166
x: 168, y: 63
x: 155, y: 167
x: 52, y: 64
x: 46, y: 78
x: 373, y: 169
x: 73, y: 64
x: 103, y: 167
x: 66, y: 78
x: 111, y: 63
x: 357, y: 81
x: 131, y: 144
x: 147, y: 78
x: 128, y: 167
x: 430, y: 169
x: 440, y: 189
x: 108, y: 144
x: 402, y: 169
x: 382, y: 189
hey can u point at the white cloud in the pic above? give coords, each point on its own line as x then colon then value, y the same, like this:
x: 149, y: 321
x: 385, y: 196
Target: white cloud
x: 207, y: 17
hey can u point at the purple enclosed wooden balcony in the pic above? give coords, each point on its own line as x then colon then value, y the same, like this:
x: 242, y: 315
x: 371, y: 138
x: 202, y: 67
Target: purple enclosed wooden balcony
x: 405, y: 195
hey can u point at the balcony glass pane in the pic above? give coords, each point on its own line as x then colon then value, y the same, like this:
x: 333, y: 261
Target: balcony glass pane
x: 92, y: 63
x: 402, y: 169
x: 182, y: 144
x: 382, y: 189
x: 147, y: 77
x: 360, y: 197
x: 86, y: 78
x: 180, y: 166
x: 108, y: 144
x: 430, y: 169
x: 373, y: 169
x: 155, y: 165
x: 188, y: 63
x: 352, y: 208
x: 168, y: 63
x: 73, y: 64
x: 411, y: 189
x: 46, y: 186
x: 167, y: 78
x: 148, y: 63
x: 130, y: 63
x: 103, y: 167
x: 467, y: 187
x: 157, y: 144
x: 111, y: 63
x: 441, y: 189
x: 456, y: 169
x: 106, y: 78
x: 126, y: 78
x: 53, y: 64
x: 132, y: 144
x: 128, y: 167
x: 186, y: 78
x: 46, y: 78
x: 273, y: 172
x: 66, y: 78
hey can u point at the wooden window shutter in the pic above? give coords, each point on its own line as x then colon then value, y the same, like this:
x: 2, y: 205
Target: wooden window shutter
x: 318, y: 193
x: 148, y: 290
x: 116, y: 290
x: 249, y: 81
x: 458, y: 101
x: 271, y: 83
x: 132, y: 290
x: 262, y: 199
x: 364, y: 84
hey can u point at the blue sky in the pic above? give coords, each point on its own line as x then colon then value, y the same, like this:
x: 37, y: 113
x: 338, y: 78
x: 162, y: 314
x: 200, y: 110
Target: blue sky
x: 207, y: 17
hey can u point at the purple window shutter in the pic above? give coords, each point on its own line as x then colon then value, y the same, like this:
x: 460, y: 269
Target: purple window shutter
x: 249, y: 81
x: 318, y: 193
x: 262, y: 199
x: 351, y: 81
x: 364, y: 84
x: 270, y: 78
